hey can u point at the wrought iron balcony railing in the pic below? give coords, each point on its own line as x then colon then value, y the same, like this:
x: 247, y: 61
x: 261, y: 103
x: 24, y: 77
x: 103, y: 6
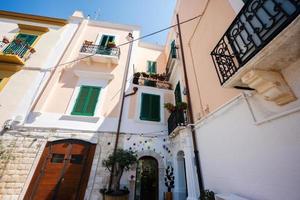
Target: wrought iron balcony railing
x: 177, y: 118
x: 15, y: 52
x: 97, y: 49
x: 258, y: 22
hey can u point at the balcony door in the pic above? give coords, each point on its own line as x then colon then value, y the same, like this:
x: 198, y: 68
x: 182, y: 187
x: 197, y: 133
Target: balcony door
x: 63, y: 171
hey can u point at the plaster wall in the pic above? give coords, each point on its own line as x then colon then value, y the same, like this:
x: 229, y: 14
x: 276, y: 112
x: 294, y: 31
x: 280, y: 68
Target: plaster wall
x: 24, y: 86
x: 228, y: 147
x: 198, y: 42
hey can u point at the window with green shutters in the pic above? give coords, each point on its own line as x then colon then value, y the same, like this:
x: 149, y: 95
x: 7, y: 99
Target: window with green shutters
x: 19, y: 45
x: 86, y: 101
x: 150, y: 107
x: 151, y: 67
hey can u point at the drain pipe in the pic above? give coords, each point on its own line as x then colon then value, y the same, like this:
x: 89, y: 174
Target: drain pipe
x: 123, y: 96
x: 190, y: 111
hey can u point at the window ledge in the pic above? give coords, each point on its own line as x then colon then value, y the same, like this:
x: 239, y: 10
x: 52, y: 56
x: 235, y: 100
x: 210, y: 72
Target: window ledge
x: 90, y: 119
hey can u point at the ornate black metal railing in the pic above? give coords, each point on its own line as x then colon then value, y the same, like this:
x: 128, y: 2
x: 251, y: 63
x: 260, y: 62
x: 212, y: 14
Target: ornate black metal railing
x: 258, y: 22
x: 177, y: 118
x: 97, y: 49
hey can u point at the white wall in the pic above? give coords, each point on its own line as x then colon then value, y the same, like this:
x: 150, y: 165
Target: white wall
x: 253, y: 161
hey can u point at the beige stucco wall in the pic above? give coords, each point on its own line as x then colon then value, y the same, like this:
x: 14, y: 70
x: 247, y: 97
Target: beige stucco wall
x: 144, y: 53
x: 17, y: 94
x: 199, y: 38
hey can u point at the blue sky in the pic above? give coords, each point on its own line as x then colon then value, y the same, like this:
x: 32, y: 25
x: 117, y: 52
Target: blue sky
x: 151, y: 15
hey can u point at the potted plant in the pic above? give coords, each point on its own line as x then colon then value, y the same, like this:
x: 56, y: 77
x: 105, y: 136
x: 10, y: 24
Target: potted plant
x: 181, y: 106
x: 169, y: 182
x: 136, y: 77
x: 170, y: 107
x: 122, y: 160
x: 207, y: 195
x: 5, y: 40
x: 32, y: 50
x: 111, y: 44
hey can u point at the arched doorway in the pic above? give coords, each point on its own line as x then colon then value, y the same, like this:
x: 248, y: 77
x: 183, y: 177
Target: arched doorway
x: 146, y: 185
x: 181, y: 177
x: 63, y: 171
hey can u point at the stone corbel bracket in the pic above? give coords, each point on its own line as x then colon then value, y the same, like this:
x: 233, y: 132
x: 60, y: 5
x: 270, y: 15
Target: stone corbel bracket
x: 271, y: 85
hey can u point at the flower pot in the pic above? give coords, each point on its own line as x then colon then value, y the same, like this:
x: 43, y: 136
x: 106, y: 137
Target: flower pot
x: 168, y: 196
x: 116, y: 196
x: 135, y: 80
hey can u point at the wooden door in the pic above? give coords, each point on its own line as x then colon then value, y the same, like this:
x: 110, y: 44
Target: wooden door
x: 63, y: 171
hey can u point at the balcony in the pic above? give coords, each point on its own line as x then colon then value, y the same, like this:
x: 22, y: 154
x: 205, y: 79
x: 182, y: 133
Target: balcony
x: 100, y: 54
x: 171, y: 61
x: 151, y: 80
x: 261, y: 41
x: 176, y: 120
x: 15, y: 52
x: 247, y: 42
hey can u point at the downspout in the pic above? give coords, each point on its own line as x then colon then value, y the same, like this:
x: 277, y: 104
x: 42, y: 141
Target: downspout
x: 123, y: 95
x: 190, y: 111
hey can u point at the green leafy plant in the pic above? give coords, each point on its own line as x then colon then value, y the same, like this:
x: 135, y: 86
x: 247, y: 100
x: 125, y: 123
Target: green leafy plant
x: 169, y: 178
x: 111, y: 44
x: 181, y: 106
x: 207, y: 195
x: 170, y: 107
x: 122, y: 160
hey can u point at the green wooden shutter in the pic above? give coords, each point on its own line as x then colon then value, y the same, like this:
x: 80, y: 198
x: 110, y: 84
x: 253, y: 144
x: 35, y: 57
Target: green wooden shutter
x: 150, y: 107
x: 151, y: 67
x: 177, y: 94
x: 19, y: 48
x: 155, y: 108
x: 86, y: 101
x: 104, y: 40
x: 173, y: 49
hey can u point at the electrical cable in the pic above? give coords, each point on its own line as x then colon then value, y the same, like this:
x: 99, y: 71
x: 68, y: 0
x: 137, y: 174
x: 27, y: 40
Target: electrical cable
x: 142, y: 37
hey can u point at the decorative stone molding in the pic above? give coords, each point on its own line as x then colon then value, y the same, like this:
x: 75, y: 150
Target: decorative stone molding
x: 271, y: 85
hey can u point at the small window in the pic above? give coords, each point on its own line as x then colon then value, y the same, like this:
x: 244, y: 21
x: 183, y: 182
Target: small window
x: 151, y: 67
x: 150, y: 107
x: 19, y: 45
x: 57, y: 158
x: 86, y: 101
x: 76, y: 159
